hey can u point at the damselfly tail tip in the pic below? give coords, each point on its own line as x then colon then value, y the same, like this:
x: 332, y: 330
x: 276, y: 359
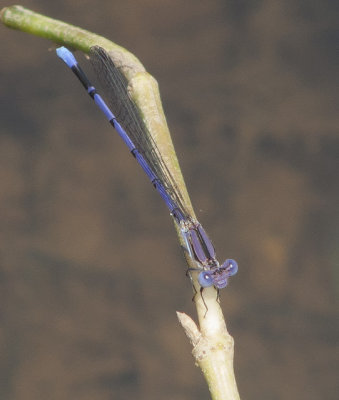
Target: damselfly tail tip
x: 66, y: 56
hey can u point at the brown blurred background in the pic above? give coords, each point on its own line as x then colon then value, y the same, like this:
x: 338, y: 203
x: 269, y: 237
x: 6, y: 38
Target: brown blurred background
x: 91, y: 271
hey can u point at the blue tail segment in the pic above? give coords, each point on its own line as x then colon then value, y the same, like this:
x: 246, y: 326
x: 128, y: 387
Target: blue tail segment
x: 72, y: 63
x: 123, y: 115
x: 66, y: 56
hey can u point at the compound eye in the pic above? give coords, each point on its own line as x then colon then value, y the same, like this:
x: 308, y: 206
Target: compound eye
x: 231, y: 266
x: 205, y: 279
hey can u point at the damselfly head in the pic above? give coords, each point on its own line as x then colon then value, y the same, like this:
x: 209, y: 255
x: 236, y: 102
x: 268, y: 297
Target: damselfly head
x: 218, y: 276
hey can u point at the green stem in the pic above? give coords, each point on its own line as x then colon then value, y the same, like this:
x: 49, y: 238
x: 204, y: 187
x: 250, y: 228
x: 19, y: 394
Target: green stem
x: 23, y: 19
x: 212, y: 345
